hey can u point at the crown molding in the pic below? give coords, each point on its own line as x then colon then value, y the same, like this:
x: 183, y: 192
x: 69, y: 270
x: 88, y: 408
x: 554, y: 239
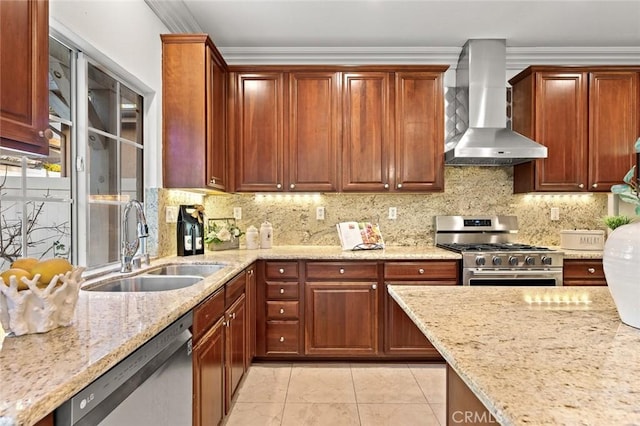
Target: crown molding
x: 522, y: 57
x: 175, y: 16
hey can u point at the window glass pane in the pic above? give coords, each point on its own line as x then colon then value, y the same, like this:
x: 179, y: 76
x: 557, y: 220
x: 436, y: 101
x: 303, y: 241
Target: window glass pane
x: 103, y: 161
x: 102, y: 239
x: 102, y: 101
x: 59, y: 80
x: 130, y: 114
x: 131, y: 183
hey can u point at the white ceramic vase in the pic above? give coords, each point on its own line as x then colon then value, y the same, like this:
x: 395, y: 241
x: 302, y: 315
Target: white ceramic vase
x: 621, y: 262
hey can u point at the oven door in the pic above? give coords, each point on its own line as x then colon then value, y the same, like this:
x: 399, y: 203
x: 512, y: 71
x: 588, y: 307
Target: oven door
x: 501, y: 277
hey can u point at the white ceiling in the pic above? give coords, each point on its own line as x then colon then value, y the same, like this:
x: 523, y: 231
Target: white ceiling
x: 386, y: 25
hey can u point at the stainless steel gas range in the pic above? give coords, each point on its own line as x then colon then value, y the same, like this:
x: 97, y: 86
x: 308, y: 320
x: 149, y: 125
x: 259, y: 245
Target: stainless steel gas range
x: 491, y: 255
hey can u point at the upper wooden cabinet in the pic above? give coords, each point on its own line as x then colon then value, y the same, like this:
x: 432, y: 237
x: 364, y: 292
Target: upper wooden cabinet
x: 588, y: 119
x: 194, y: 89
x: 24, y: 65
x: 331, y: 129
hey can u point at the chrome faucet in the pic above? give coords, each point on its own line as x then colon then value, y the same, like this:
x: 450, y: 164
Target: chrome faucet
x: 129, y: 248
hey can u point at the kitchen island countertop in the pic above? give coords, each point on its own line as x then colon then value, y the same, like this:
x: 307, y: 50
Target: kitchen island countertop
x: 39, y: 372
x: 543, y: 356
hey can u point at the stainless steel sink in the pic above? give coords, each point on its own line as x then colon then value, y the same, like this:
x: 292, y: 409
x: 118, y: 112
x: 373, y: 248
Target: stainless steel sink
x: 201, y: 270
x: 146, y: 283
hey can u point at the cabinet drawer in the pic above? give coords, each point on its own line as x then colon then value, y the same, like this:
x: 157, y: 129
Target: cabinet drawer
x: 282, y: 337
x: 281, y: 310
x: 421, y: 270
x: 234, y: 288
x: 342, y: 270
x: 583, y: 272
x: 207, y: 313
x: 282, y: 291
x: 281, y: 270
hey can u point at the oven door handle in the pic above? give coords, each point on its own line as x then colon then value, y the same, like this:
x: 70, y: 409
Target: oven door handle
x: 516, y: 272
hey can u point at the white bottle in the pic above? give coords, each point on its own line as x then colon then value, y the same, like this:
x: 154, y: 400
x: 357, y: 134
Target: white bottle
x: 266, y: 235
x: 253, y: 238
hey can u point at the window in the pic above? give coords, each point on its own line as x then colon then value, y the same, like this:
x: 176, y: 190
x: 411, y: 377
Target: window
x: 95, y: 159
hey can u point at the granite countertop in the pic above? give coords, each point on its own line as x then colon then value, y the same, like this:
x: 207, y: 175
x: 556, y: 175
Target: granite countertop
x: 534, y: 355
x: 39, y: 372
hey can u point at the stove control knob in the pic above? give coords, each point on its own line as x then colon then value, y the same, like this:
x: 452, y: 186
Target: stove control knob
x: 529, y: 260
x: 513, y: 261
x: 546, y: 260
x: 480, y: 261
x: 496, y: 260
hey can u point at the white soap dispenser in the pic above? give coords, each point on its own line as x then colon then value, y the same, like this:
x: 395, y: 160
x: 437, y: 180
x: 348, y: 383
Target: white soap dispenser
x: 253, y: 238
x: 266, y: 235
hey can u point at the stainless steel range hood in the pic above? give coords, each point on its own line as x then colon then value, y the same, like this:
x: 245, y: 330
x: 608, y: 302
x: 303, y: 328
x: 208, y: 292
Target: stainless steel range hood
x: 481, y: 76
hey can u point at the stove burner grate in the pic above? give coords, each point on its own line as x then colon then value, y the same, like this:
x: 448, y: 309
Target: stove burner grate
x: 461, y: 247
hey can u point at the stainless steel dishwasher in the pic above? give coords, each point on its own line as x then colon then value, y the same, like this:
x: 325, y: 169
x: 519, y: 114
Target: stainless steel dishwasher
x: 153, y: 386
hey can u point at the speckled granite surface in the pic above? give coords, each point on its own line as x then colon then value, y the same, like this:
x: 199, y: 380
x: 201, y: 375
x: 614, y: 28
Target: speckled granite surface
x: 546, y: 363
x: 41, y: 371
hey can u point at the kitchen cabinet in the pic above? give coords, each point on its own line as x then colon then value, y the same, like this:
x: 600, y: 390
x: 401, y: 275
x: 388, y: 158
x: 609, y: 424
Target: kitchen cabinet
x: 583, y: 272
x: 194, y: 108
x: 235, y: 335
x: 401, y: 335
x: 279, y: 330
x: 24, y: 67
x: 341, y: 309
x: 209, y: 361
x: 250, y: 292
x: 588, y: 118
x: 463, y: 406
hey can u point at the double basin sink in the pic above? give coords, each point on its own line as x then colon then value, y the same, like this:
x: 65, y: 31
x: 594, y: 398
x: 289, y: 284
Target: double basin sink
x: 162, y: 278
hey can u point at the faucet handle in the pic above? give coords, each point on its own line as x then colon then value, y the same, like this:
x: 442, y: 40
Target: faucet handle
x: 143, y: 230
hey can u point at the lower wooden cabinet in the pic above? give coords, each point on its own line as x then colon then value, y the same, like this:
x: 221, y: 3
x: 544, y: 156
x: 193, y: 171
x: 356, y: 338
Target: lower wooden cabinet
x: 463, y: 406
x: 236, y: 348
x: 208, y: 377
x: 583, y: 272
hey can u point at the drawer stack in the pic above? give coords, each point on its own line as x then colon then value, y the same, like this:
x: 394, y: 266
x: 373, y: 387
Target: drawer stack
x: 282, y: 308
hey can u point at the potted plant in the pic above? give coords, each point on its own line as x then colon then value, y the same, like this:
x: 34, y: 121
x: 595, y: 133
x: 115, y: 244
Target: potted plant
x: 223, y: 234
x: 621, y: 257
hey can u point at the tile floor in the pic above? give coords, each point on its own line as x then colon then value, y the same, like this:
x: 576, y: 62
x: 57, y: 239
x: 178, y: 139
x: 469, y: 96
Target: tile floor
x: 295, y: 394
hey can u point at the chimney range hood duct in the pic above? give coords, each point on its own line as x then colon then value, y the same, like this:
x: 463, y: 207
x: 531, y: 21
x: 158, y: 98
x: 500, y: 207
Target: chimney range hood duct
x: 481, y: 75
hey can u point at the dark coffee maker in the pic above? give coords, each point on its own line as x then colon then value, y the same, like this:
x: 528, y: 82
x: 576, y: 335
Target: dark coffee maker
x: 190, y: 230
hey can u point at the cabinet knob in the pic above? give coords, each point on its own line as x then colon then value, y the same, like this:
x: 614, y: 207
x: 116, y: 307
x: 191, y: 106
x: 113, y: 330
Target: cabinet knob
x: 581, y: 186
x: 279, y: 186
x: 374, y: 286
x: 212, y: 181
x: 399, y: 186
x: 386, y: 186
x: 281, y: 270
x: 282, y: 291
x: 421, y: 271
x: 46, y: 133
x: 595, y: 185
x: 281, y: 339
x: 341, y: 270
x: 293, y: 185
x: 282, y: 310
x: 591, y: 270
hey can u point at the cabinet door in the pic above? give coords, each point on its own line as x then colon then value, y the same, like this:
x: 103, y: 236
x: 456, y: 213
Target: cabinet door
x: 24, y: 66
x: 366, y: 153
x: 208, y: 377
x: 250, y: 294
x: 419, y: 141
x: 561, y: 125
x: 613, y: 127
x: 341, y: 318
x: 216, y: 153
x: 235, y: 346
x: 258, y: 117
x: 313, y: 131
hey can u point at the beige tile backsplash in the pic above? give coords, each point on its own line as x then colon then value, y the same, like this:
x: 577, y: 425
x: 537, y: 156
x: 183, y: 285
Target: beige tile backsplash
x: 468, y: 191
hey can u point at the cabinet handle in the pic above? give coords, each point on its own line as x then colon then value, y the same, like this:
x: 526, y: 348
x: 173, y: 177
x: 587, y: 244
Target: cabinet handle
x: 341, y: 270
x: 595, y: 185
x: 279, y: 185
x: 386, y: 186
x: 282, y: 310
x: 581, y: 186
x: 591, y: 270
x: 46, y: 133
x: 399, y: 186
x: 250, y: 272
x: 281, y: 339
x: 421, y: 271
x: 293, y: 185
x: 212, y: 181
x: 281, y: 270
x: 282, y: 291
x: 374, y: 286
x: 225, y: 323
